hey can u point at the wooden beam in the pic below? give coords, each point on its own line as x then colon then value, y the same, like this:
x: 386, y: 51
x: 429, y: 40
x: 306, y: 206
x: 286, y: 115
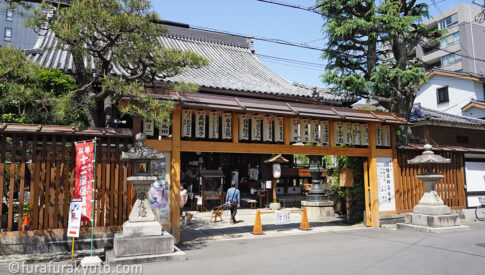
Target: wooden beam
x: 175, y: 176
x: 286, y: 131
x: 374, y: 191
x: 331, y: 134
x: 235, y: 128
x: 164, y: 145
x: 397, y: 171
x: 384, y: 153
x: 261, y: 148
x: 367, y: 194
x: 137, y: 124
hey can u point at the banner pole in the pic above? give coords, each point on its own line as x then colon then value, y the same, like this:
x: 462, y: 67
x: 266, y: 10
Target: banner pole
x: 92, y: 209
x: 72, y: 250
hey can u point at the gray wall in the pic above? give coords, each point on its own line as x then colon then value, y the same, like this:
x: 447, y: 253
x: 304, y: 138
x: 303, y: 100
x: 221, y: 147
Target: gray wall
x: 477, y: 48
x: 22, y: 37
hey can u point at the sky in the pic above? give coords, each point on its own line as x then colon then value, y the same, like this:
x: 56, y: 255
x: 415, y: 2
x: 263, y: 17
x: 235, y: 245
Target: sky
x: 254, y: 18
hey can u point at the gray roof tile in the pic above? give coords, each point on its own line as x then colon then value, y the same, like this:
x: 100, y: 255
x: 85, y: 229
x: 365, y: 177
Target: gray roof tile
x: 419, y: 113
x: 232, y: 64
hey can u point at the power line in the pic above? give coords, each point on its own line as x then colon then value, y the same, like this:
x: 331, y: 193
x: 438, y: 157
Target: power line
x: 310, y: 9
x: 292, y: 61
x: 260, y: 38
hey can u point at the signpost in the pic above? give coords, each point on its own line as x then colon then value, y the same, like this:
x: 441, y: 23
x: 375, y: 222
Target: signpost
x: 74, y: 224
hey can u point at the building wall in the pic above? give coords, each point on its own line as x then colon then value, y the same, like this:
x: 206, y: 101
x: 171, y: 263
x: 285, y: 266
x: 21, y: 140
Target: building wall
x: 471, y: 42
x: 448, y: 136
x: 22, y: 37
x: 460, y: 92
x: 475, y: 112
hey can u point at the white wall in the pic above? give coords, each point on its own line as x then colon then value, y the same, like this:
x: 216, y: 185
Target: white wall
x: 460, y: 92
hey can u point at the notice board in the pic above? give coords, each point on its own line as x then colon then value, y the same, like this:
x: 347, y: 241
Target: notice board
x: 385, y: 183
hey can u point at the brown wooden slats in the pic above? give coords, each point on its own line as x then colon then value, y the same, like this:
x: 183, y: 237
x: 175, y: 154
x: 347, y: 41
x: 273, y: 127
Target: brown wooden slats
x: 44, y: 164
x: 450, y: 189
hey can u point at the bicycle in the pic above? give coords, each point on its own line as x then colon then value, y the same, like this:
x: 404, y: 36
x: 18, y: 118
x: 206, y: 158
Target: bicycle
x: 480, y: 210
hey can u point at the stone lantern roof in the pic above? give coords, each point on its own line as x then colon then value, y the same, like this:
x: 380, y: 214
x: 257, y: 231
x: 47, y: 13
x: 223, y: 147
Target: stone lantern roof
x: 428, y: 157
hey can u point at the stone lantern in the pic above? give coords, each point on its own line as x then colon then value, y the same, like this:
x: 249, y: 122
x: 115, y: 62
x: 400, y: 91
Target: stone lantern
x: 431, y: 214
x: 318, y: 206
x: 142, y: 235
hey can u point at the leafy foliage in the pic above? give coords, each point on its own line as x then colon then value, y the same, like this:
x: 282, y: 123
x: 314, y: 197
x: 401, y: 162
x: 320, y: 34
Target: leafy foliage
x: 31, y: 94
x: 369, y: 49
x: 119, y: 39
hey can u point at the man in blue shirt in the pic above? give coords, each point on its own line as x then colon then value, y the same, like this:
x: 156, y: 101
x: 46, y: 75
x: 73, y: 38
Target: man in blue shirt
x: 233, y: 198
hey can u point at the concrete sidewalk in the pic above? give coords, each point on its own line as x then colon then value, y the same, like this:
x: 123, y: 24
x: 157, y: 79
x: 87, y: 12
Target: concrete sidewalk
x: 203, y: 227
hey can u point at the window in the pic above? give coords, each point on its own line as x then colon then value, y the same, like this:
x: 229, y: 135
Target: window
x: 450, y: 59
x: 448, y: 21
x: 462, y: 139
x: 450, y: 40
x: 442, y: 94
x: 9, y: 15
x: 7, y: 34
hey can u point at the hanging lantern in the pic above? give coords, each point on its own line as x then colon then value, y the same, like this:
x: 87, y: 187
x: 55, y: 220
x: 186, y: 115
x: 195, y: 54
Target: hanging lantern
x: 214, y: 125
x: 364, y: 134
x: 315, y: 131
x: 347, y: 129
x: 200, y: 124
x: 227, y: 126
x: 305, y: 130
x: 148, y: 127
x: 339, y: 132
x: 244, y: 127
x: 279, y: 132
x: 355, y: 134
x: 294, y: 129
x: 268, y: 129
x: 386, y: 135
x: 324, y: 130
x: 256, y: 126
x: 378, y: 135
x: 187, y: 123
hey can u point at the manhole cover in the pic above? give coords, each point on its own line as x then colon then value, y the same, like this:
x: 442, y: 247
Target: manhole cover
x: 480, y: 244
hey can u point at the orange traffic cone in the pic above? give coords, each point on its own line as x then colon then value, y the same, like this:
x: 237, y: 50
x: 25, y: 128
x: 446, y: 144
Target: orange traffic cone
x: 304, y: 220
x: 26, y: 222
x: 258, y: 228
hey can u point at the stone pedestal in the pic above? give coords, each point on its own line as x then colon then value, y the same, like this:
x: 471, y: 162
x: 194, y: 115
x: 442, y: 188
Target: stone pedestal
x: 319, y: 210
x: 431, y: 214
x: 275, y: 206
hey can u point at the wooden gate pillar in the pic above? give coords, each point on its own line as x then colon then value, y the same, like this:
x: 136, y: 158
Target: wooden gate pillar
x: 372, y: 197
x: 175, y: 176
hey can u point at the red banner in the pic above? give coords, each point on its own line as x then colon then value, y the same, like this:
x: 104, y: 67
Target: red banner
x: 84, y: 178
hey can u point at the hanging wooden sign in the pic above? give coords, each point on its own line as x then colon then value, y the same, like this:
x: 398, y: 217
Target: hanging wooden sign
x: 339, y: 132
x: 279, y: 132
x: 187, y: 123
x: 268, y: 128
x: 315, y: 131
x: 164, y: 128
x: 200, y: 124
x: 347, y: 128
x: 256, y: 126
x: 305, y: 130
x: 244, y: 126
x: 227, y: 126
x: 324, y: 130
x: 294, y: 129
x: 386, y: 135
x: 213, y: 125
x: 379, y: 135
x: 355, y: 134
x: 364, y: 134
x: 148, y: 127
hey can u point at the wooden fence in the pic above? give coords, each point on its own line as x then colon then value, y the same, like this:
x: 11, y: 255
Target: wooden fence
x: 37, y: 175
x: 409, y: 189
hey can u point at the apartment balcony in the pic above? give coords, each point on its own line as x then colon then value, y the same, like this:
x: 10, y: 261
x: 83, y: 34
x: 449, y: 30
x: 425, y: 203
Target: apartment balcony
x: 434, y: 54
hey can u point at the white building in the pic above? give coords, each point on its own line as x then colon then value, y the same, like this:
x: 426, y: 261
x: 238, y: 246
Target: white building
x: 455, y: 93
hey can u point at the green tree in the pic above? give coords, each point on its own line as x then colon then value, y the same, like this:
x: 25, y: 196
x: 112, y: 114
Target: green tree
x: 370, y: 47
x: 31, y: 94
x: 118, y: 34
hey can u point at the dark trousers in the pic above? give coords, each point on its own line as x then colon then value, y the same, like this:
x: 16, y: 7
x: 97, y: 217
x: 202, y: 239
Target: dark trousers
x: 233, y: 209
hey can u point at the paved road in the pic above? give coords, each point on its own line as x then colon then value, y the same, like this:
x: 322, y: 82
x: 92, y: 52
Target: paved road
x: 339, y: 251
x: 361, y: 251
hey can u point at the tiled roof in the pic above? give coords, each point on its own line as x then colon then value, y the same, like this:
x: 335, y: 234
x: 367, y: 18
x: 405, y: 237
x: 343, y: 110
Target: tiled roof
x: 232, y: 64
x: 419, y: 114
